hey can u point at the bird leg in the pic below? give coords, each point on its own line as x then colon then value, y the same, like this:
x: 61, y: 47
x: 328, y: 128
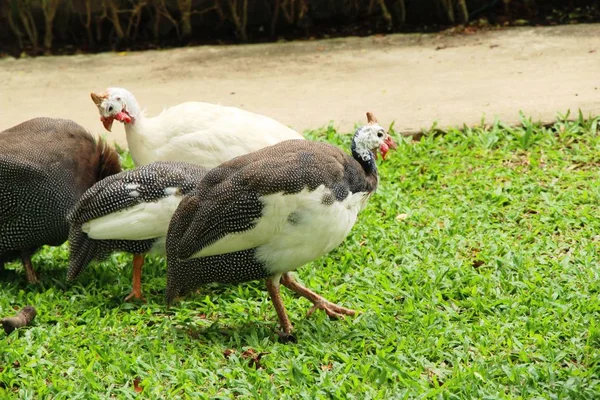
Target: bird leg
x: 286, y: 326
x: 29, y: 271
x: 136, y: 291
x: 333, y: 310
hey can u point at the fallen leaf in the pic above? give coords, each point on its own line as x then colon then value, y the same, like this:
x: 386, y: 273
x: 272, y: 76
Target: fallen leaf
x: 254, y: 358
x: 326, y: 367
x: 249, y: 353
x: 136, y: 385
x: 401, y: 217
x: 228, y: 352
x: 122, y: 53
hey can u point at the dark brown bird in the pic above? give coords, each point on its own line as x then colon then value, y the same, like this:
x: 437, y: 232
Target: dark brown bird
x: 46, y: 164
x: 264, y: 214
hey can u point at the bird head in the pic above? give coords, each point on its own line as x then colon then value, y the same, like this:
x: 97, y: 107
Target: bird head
x: 115, y: 103
x: 372, y: 138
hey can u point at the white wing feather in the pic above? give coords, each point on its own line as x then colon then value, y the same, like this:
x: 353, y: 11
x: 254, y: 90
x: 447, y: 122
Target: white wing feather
x: 287, y: 216
x: 140, y: 222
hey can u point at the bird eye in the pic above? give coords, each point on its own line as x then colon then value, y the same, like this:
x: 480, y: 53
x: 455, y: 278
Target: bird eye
x: 380, y: 134
x: 110, y: 108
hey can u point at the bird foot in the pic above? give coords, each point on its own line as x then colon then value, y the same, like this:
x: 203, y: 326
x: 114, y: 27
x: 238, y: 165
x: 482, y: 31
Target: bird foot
x: 135, y: 295
x: 287, y: 337
x: 332, y: 310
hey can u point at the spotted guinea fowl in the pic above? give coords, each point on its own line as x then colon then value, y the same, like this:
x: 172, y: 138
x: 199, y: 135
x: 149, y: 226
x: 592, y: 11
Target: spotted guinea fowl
x: 129, y: 212
x: 200, y: 133
x: 45, y: 166
x: 267, y: 213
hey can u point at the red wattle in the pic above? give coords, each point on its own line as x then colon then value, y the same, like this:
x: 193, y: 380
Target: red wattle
x: 123, y: 117
x: 383, y: 149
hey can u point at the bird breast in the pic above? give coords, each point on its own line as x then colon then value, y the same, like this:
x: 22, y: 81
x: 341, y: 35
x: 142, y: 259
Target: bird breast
x: 306, y: 226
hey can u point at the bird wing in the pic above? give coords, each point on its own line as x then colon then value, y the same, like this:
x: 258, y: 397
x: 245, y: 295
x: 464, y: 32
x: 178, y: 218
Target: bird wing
x: 16, y: 175
x: 23, y: 185
x: 201, y: 222
x: 135, y: 204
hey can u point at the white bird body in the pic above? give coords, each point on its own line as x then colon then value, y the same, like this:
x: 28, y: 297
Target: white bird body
x: 196, y: 132
x: 280, y: 235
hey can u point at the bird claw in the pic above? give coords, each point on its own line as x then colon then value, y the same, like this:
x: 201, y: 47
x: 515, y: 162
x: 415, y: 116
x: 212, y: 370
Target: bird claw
x: 287, y: 337
x: 332, y: 310
x: 135, y: 296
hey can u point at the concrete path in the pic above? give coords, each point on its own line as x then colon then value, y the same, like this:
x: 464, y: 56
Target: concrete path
x: 412, y: 79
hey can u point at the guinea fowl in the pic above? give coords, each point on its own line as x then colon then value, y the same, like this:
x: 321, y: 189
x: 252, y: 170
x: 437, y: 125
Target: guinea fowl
x: 200, y: 133
x: 129, y: 212
x: 267, y: 213
x: 45, y: 166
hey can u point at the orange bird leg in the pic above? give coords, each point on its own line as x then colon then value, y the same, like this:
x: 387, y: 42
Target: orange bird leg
x: 136, y: 291
x: 29, y: 271
x: 286, y: 326
x: 333, y: 310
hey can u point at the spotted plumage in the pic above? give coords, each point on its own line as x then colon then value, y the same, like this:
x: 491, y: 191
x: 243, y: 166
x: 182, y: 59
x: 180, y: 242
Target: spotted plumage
x: 128, y: 212
x: 269, y: 212
x: 46, y: 164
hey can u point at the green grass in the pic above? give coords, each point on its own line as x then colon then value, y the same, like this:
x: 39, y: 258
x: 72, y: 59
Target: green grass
x: 475, y: 267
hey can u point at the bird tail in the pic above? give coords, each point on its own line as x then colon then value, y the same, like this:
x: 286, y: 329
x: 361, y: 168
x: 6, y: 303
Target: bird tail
x: 109, y: 161
x: 83, y: 250
x: 173, y: 289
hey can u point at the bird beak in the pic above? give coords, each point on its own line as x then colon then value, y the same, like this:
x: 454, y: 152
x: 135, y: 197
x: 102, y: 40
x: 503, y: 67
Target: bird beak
x: 390, y: 143
x: 107, y: 122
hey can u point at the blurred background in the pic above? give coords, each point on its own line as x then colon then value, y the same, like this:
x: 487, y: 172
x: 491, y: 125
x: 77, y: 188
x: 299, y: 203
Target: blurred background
x: 71, y: 26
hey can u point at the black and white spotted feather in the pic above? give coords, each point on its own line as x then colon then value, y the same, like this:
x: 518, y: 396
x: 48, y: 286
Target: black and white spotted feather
x: 45, y: 166
x: 129, y: 211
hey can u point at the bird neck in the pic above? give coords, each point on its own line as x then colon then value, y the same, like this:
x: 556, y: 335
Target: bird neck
x: 133, y: 107
x: 364, y: 156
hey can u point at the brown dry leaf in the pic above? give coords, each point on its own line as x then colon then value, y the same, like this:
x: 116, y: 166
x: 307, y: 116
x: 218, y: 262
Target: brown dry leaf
x: 326, y: 367
x: 136, y: 385
x: 254, y: 358
x: 228, y: 352
x: 249, y: 353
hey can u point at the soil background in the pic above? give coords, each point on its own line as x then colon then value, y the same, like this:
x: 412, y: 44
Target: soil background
x: 412, y: 79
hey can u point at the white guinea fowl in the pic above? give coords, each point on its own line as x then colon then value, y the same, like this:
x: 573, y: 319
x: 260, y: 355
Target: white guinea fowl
x: 196, y: 132
x: 264, y: 214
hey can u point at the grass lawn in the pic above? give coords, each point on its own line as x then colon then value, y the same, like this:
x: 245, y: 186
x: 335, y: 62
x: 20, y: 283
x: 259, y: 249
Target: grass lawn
x: 475, y: 267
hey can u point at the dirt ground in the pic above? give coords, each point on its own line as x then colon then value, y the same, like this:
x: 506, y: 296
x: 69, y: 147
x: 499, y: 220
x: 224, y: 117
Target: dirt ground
x: 412, y: 79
